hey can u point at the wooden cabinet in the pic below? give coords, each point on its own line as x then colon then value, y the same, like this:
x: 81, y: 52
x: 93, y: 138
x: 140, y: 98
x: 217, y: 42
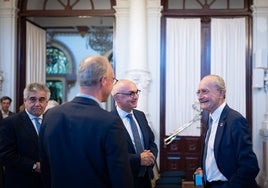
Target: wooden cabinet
x: 183, y: 154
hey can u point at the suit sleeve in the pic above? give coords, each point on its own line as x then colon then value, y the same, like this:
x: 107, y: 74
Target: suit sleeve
x: 45, y: 168
x: 11, y: 151
x: 117, y: 157
x: 242, y: 167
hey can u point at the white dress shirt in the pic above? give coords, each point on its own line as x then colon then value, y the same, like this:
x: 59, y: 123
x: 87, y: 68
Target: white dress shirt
x: 125, y: 119
x: 212, y: 171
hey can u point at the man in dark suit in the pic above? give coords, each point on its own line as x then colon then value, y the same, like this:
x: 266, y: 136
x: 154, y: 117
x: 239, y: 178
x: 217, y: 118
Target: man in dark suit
x: 19, y: 145
x: 5, y: 112
x: 126, y: 95
x: 82, y: 145
x: 228, y: 159
x: 5, y: 104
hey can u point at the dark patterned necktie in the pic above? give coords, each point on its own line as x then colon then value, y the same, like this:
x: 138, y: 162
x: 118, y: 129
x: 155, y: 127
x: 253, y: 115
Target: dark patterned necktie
x: 135, y: 132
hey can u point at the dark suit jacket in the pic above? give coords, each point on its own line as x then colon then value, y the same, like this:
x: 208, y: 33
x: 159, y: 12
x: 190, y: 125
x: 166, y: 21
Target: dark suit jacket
x: 1, y: 165
x: 10, y: 114
x: 149, y: 144
x: 19, y: 150
x: 82, y: 145
x: 233, y: 150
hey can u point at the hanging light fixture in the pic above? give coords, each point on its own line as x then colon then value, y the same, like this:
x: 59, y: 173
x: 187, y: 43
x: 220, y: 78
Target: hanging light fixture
x: 100, y: 38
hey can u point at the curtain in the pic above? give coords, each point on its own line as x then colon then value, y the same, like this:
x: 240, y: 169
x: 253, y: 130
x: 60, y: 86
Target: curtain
x: 182, y: 73
x: 228, y: 58
x: 35, y: 54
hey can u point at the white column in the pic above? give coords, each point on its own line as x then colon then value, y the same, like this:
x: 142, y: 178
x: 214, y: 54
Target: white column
x: 121, y: 41
x: 260, y: 95
x: 153, y: 58
x: 137, y: 70
x: 8, y: 17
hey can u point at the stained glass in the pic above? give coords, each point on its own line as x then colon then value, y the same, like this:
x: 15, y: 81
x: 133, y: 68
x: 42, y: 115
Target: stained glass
x: 57, y: 62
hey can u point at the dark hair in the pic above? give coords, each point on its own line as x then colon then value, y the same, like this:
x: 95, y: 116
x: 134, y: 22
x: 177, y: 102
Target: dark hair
x: 6, y: 98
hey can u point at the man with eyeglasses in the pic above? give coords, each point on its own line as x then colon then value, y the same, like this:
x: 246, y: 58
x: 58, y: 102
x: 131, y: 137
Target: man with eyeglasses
x: 227, y: 160
x: 81, y: 144
x: 142, y: 149
x: 19, y: 140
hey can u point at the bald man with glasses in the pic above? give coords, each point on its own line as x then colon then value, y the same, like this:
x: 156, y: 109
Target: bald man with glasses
x: 142, y: 149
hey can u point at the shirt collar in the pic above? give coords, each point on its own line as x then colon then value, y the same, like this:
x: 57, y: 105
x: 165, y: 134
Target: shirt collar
x: 122, y: 113
x: 89, y: 97
x: 32, y: 116
x: 217, y: 113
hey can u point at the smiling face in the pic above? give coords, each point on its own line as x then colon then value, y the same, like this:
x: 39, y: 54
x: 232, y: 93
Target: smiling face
x: 210, y: 94
x: 126, y: 95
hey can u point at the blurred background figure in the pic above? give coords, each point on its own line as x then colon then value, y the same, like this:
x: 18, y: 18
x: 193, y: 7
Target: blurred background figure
x: 51, y: 104
x: 5, y: 112
x: 5, y: 104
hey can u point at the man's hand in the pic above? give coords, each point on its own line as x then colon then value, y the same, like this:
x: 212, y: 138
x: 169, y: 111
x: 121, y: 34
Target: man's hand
x: 37, y: 169
x: 199, y: 171
x: 147, y: 158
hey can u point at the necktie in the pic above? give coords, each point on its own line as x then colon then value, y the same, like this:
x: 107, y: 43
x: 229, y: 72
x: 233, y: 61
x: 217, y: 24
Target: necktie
x: 135, y: 132
x: 37, y: 123
x: 210, y: 122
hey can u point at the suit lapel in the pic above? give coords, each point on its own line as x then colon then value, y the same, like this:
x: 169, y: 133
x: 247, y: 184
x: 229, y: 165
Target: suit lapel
x: 126, y: 134
x: 220, y: 130
x: 28, y: 128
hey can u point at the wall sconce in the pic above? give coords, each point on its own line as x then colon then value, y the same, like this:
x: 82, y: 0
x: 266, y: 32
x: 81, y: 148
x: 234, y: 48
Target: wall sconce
x: 265, y: 80
x: 1, y: 79
x: 261, y: 63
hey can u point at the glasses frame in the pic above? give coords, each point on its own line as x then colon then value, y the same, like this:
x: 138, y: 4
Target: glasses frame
x: 131, y: 93
x: 202, y: 92
x: 115, y: 80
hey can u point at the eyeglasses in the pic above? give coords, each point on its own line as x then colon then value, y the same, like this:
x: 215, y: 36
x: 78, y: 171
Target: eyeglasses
x: 131, y: 93
x: 115, y: 80
x: 202, y: 92
x: 34, y: 100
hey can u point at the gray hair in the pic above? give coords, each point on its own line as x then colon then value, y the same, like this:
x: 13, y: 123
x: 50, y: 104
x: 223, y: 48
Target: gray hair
x: 34, y: 87
x: 91, y: 70
x: 218, y: 82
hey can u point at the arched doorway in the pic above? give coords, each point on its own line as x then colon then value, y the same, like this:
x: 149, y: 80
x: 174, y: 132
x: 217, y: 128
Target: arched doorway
x: 60, y: 19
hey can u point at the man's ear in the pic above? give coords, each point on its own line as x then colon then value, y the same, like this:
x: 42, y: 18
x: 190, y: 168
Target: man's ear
x: 102, y: 80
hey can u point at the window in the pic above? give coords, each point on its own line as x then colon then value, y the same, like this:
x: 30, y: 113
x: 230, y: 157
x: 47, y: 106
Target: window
x: 59, y: 70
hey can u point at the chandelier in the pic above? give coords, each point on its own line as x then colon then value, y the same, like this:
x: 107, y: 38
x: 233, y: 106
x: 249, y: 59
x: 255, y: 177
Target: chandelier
x: 98, y: 38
